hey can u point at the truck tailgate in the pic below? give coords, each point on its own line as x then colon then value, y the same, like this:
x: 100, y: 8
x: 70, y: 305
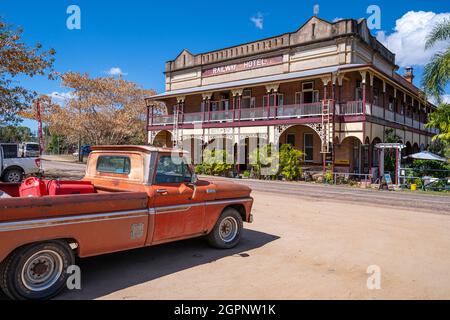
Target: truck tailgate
x: 53, y: 206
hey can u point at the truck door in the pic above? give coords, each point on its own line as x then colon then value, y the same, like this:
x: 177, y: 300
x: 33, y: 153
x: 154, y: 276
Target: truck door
x: 177, y: 214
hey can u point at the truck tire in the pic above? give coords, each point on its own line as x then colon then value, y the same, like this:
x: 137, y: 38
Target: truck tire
x: 36, y: 271
x: 227, y: 231
x: 13, y: 175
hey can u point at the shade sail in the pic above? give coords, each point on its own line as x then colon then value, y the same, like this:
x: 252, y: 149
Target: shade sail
x: 426, y: 155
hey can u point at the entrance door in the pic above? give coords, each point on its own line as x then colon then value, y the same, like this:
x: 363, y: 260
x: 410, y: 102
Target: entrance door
x: 177, y: 214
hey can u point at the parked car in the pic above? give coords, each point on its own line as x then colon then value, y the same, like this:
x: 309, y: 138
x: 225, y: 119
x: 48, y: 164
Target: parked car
x: 29, y: 149
x: 13, y: 168
x: 130, y: 197
x: 85, y: 151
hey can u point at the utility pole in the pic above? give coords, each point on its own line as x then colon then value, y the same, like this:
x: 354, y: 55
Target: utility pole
x: 40, y: 135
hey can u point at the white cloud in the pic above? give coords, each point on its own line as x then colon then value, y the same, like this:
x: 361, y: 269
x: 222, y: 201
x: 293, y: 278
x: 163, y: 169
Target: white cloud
x: 409, y: 37
x: 445, y: 99
x: 337, y: 19
x: 258, y: 20
x: 115, y: 71
x: 60, y: 97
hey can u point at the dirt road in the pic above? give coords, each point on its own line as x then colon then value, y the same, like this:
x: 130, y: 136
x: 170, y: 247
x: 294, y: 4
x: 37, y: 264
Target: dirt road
x: 296, y: 249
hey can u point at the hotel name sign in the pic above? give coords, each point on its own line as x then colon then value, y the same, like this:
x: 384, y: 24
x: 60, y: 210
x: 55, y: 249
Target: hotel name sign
x: 247, y: 65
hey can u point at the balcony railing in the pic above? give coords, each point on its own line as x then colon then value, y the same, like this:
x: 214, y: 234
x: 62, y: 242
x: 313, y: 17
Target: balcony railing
x: 351, y: 108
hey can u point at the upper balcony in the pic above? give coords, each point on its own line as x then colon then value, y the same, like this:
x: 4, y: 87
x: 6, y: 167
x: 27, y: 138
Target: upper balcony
x: 245, y: 114
x: 312, y: 111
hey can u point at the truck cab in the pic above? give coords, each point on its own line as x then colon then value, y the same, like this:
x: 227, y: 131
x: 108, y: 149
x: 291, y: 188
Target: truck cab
x: 13, y: 168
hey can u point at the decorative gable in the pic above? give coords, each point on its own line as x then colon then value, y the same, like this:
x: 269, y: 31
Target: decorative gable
x: 185, y: 59
x: 314, y: 29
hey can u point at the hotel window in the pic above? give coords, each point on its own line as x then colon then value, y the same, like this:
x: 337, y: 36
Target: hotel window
x: 308, y: 147
x: 358, y: 92
x: 308, y: 94
x: 247, y: 100
x: 279, y: 97
x: 376, y: 99
x: 290, y: 139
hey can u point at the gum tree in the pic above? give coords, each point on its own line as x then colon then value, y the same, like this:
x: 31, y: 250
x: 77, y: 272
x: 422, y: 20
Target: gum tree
x: 18, y: 59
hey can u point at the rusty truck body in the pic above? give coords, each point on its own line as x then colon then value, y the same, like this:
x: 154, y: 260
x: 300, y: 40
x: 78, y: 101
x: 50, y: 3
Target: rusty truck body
x: 142, y: 196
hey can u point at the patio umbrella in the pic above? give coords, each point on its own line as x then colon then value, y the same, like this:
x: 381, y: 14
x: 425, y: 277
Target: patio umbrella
x: 426, y: 155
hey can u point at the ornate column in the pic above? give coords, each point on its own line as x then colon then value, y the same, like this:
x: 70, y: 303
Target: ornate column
x: 364, y: 96
x: 271, y: 88
x: 236, y: 96
x: 207, y: 101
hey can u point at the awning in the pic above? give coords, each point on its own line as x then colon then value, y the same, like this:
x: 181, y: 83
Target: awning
x: 253, y: 81
x: 426, y: 155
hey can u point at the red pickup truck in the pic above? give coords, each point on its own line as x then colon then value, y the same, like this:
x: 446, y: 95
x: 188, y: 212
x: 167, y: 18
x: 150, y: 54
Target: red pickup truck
x: 139, y: 196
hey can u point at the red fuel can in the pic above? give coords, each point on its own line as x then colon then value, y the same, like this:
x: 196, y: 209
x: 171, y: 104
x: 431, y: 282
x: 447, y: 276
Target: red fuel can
x: 33, y: 187
x: 58, y: 188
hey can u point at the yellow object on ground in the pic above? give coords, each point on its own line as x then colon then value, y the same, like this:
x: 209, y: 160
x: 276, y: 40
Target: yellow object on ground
x: 413, y: 187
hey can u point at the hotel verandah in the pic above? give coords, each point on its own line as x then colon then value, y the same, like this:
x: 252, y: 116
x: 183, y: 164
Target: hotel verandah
x: 329, y: 89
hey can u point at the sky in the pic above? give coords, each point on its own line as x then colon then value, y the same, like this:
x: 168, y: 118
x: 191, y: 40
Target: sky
x: 135, y: 38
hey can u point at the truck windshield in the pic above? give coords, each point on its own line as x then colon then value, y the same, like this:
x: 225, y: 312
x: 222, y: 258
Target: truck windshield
x: 32, y: 147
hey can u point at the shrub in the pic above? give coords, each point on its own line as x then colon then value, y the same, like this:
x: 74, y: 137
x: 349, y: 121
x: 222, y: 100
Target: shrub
x: 290, y: 162
x: 215, y: 162
x: 264, y: 161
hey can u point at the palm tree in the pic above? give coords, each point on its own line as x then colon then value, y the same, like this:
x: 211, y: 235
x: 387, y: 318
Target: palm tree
x: 437, y: 71
x: 436, y: 77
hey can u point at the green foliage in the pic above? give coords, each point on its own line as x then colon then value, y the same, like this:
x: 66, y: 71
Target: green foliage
x: 199, y: 169
x: 389, y: 160
x: 216, y: 162
x: 329, y: 178
x: 437, y: 72
x: 440, y: 147
x: 246, y: 174
x: 264, y: 161
x: 440, y: 119
x: 13, y: 134
x: 57, y: 144
x: 290, y: 159
x: 436, y: 169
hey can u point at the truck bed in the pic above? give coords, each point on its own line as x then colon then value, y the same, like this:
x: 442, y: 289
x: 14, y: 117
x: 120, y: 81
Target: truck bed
x: 13, y: 209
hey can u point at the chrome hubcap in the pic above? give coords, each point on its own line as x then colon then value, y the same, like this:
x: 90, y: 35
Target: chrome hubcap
x: 228, y: 229
x: 42, y: 270
x: 14, y: 177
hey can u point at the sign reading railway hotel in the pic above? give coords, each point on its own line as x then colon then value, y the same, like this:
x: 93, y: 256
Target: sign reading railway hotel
x: 247, y: 65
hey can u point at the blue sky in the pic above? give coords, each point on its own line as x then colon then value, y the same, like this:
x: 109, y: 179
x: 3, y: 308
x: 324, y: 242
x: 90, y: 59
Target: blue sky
x: 139, y: 36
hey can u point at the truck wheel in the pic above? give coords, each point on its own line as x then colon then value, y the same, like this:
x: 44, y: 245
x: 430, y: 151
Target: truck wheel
x: 227, y: 231
x: 37, y: 271
x: 13, y: 176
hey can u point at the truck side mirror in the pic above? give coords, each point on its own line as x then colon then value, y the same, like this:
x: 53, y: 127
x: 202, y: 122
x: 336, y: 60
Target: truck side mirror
x: 194, y: 179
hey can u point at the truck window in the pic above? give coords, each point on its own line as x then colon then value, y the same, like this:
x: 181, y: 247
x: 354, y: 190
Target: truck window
x: 114, y: 164
x: 169, y: 171
x: 32, y: 147
x: 10, y: 151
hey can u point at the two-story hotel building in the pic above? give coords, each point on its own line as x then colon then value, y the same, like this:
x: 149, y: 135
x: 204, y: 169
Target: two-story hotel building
x: 329, y: 89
